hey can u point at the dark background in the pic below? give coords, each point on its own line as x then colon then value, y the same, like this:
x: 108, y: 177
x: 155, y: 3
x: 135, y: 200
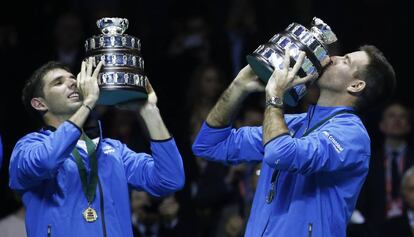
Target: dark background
x: 386, y: 24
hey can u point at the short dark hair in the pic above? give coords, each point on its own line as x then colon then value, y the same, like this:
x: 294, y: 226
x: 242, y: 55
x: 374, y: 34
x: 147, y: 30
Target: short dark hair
x: 34, y: 85
x: 379, y: 77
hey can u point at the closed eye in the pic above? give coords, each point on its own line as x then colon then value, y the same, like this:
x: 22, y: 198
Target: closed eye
x: 58, y: 82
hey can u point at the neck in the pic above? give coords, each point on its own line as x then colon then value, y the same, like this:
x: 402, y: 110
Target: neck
x: 393, y: 142
x: 329, y: 98
x: 55, y: 121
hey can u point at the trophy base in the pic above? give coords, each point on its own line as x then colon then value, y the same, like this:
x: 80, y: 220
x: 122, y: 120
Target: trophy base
x: 263, y: 70
x: 117, y: 96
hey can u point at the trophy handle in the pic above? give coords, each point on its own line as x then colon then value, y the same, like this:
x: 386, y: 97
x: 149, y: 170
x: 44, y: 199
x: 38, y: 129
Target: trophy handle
x: 322, y: 31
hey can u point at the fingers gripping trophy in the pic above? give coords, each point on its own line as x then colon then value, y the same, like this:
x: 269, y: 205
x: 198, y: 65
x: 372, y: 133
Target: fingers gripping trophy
x: 122, y: 77
x: 295, y: 39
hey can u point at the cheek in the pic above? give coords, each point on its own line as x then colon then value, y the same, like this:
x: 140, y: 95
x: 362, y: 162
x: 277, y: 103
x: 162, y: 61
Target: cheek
x: 55, y: 97
x: 339, y: 71
x: 56, y: 100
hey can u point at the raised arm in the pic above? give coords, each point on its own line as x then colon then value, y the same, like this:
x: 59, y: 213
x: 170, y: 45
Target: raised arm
x: 228, y: 145
x: 162, y: 172
x: 281, y: 81
x: 225, y: 109
x: 217, y: 140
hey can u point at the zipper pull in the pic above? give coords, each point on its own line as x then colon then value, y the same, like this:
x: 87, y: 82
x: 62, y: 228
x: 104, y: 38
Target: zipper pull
x: 49, y: 231
x: 310, y: 229
x: 270, y: 194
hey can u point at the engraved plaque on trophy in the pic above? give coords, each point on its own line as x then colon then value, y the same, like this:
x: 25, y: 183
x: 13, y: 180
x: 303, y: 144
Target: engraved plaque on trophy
x: 296, y: 38
x: 122, y: 77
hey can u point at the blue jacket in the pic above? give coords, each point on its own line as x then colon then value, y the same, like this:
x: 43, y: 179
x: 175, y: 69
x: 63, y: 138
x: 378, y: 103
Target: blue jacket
x: 320, y: 176
x: 43, y: 170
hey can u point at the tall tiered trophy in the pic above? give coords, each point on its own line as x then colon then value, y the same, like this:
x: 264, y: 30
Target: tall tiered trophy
x: 296, y: 38
x: 122, y: 77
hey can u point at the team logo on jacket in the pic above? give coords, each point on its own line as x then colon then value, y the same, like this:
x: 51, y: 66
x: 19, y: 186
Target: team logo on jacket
x: 108, y: 149
x: 338, y: 147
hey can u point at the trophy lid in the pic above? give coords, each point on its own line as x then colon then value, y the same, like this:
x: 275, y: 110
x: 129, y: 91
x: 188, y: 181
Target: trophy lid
x: 112, y: 25
x: 322, y: 31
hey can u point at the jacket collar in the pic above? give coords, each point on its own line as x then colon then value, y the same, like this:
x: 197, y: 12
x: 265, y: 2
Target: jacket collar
x: 317, y: 113
x: 92, y: 128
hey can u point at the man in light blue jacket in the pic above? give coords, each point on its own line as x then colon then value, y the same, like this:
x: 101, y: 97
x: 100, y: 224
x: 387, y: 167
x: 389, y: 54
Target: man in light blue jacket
x: 313, y: 164
x: 74, y: 185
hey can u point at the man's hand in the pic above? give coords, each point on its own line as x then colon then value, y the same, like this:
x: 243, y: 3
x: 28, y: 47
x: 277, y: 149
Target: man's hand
x: 87, y: 86
x: 281, y: 80
x: 247, y: 81
x: 141, y: 106
x: 151, y: 102
x: 286, y: 78
x: 87, y: 82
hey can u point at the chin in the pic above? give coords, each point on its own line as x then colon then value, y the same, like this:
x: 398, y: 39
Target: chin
x: 75, y: 106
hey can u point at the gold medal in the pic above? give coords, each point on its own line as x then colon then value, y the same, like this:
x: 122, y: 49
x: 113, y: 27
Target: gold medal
x: 90, y: 214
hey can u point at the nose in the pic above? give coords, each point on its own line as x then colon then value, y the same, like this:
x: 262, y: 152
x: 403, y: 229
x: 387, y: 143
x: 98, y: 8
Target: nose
x: 336, y: 59
x: 72, y: 82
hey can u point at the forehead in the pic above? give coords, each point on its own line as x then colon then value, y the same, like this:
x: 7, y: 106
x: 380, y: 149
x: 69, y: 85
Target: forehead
x: 54, y: 74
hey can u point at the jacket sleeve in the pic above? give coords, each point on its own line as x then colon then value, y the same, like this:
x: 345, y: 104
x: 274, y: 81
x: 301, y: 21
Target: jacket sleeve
x: 229, y: 145
x: 341, y: 144
x: 159, y: 174
x: 37, y: 156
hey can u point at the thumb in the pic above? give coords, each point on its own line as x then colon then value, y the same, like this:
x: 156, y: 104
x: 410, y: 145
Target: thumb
x: 149, y: 87
x: 305, y: 79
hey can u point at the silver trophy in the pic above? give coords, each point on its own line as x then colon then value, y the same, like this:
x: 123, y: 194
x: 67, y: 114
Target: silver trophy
x: 296, y: 38
x: 122, y: 76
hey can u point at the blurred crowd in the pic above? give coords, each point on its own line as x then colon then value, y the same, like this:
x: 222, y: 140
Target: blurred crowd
x: 192, y: 51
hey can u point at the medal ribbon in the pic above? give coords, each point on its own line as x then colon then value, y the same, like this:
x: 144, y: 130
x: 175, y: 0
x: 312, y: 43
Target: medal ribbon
x: 89, y: 188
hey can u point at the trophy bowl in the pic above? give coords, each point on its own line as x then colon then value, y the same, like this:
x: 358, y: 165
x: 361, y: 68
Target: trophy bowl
x: 296, y: 38
x: 122, y: 77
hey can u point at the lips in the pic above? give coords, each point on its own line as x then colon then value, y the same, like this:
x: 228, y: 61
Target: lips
x: 74, y: 95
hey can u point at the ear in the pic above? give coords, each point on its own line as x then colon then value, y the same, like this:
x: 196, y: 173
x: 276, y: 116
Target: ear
x: 356, y: 86
x: 39, y: 104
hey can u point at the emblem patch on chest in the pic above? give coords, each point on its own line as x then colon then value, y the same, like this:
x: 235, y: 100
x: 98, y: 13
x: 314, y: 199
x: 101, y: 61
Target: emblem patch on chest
x: 338, y: 147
